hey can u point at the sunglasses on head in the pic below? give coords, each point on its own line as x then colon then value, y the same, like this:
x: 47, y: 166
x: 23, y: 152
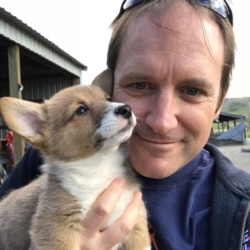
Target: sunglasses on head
x: 221, y: 7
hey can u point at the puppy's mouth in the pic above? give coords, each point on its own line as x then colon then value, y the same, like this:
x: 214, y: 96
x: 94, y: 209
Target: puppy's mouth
x: 113, y: 135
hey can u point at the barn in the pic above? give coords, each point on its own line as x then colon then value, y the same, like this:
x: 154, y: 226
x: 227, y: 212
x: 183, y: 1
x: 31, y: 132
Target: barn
x: 31, y: 68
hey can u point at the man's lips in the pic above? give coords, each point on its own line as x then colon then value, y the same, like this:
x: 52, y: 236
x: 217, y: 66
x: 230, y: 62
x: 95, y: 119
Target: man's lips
x: 155, y: 141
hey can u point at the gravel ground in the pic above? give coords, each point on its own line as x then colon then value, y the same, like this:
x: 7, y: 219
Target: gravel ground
x: 239, y: 158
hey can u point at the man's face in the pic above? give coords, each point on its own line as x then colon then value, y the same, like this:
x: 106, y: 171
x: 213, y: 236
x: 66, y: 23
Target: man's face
x: 169, y: 73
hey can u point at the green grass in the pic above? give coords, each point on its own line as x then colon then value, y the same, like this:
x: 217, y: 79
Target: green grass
x: 237, y: 106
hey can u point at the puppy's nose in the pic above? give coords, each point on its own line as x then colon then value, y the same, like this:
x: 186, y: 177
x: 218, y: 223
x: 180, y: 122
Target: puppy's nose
x: 124, y: 111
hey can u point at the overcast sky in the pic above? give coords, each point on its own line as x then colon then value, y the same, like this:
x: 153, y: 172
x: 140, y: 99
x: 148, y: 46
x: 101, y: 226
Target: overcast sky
x: 81, y: 28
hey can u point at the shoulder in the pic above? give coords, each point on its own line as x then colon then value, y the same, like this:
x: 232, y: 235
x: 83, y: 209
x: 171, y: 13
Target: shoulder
x: 30, y: 163
x: 231, y: 196
x: 26, y: 170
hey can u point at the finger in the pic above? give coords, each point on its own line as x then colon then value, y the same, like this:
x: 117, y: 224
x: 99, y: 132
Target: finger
x: 124, y: 225
x: 102, y: 207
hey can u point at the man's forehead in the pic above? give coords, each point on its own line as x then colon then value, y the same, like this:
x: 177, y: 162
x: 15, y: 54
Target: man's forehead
x: 180, y: 24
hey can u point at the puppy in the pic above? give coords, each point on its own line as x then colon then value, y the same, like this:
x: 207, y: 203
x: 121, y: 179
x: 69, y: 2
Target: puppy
x: 79, y: 133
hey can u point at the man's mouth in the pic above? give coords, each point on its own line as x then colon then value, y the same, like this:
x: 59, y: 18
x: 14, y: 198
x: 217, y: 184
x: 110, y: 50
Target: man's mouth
x: 155, y: 140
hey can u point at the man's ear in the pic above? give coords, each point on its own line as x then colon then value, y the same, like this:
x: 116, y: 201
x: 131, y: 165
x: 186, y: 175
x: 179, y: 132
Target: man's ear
x: 24, y: 118
x: 105, y: 81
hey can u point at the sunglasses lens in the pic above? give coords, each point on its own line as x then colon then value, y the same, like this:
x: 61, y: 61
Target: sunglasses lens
x: 215, y: 5
x: 130, y: 3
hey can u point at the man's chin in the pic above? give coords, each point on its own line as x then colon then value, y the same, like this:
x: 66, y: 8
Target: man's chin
x: 155, y: 160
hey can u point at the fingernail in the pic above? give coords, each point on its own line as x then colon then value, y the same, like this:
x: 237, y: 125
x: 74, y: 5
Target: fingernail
x: 121, y: 182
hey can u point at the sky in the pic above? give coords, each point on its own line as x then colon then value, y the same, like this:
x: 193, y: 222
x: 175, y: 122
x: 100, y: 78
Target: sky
x: 81, y: 28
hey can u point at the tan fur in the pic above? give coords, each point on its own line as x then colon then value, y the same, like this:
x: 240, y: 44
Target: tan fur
x: 45, y: 212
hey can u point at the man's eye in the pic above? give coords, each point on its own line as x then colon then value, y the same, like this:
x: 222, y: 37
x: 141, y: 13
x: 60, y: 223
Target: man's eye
x: 81, y: 110
x: 139, y: 85
x: 192, y: 91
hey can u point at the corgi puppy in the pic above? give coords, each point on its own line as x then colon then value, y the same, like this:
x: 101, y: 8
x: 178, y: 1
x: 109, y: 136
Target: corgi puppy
x: 79, y: 133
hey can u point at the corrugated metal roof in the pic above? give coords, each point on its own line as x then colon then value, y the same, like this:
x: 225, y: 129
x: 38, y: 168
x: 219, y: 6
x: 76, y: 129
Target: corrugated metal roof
x: 228, y: 117
x: 20, y: 33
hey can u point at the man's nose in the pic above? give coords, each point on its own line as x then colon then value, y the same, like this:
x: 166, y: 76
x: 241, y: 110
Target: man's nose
x: 163, y: 112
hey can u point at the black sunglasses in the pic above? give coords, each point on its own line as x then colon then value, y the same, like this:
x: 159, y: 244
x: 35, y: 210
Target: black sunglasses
x: 221, y: 7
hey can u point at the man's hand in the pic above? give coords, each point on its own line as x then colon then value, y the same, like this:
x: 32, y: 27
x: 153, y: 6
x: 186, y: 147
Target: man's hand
x: 92, y: 237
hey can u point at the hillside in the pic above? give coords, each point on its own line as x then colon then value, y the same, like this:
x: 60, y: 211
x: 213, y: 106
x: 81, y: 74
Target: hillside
x: 237, y: 106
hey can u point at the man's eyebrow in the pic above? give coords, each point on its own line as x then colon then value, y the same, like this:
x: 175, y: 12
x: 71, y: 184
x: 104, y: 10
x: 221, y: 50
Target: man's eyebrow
x: 198, y: 82
x: 135, y: 75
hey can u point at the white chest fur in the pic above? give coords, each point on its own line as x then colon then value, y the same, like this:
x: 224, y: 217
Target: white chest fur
x: 87, y: 178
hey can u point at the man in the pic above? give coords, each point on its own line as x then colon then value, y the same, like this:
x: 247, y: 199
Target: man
x: 171, y: 61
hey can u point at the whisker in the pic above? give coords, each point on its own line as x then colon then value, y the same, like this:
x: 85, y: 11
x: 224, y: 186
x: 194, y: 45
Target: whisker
x: 137, y: 124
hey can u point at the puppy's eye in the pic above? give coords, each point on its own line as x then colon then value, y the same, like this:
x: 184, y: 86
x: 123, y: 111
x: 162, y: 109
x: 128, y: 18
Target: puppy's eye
x: 81, y: 110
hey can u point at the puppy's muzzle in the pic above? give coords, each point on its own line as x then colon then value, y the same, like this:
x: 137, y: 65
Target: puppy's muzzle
x: 116, y: 125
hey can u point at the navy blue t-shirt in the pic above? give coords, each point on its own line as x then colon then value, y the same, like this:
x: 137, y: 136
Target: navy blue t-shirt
x: 179, y: 206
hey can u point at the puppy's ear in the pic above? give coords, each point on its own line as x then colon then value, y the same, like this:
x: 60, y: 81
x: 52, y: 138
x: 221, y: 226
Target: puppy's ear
x: 25, y: 118
x: 105, y: 81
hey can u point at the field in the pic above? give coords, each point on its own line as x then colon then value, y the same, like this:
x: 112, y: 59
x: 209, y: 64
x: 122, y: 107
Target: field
x: 237, y: 106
